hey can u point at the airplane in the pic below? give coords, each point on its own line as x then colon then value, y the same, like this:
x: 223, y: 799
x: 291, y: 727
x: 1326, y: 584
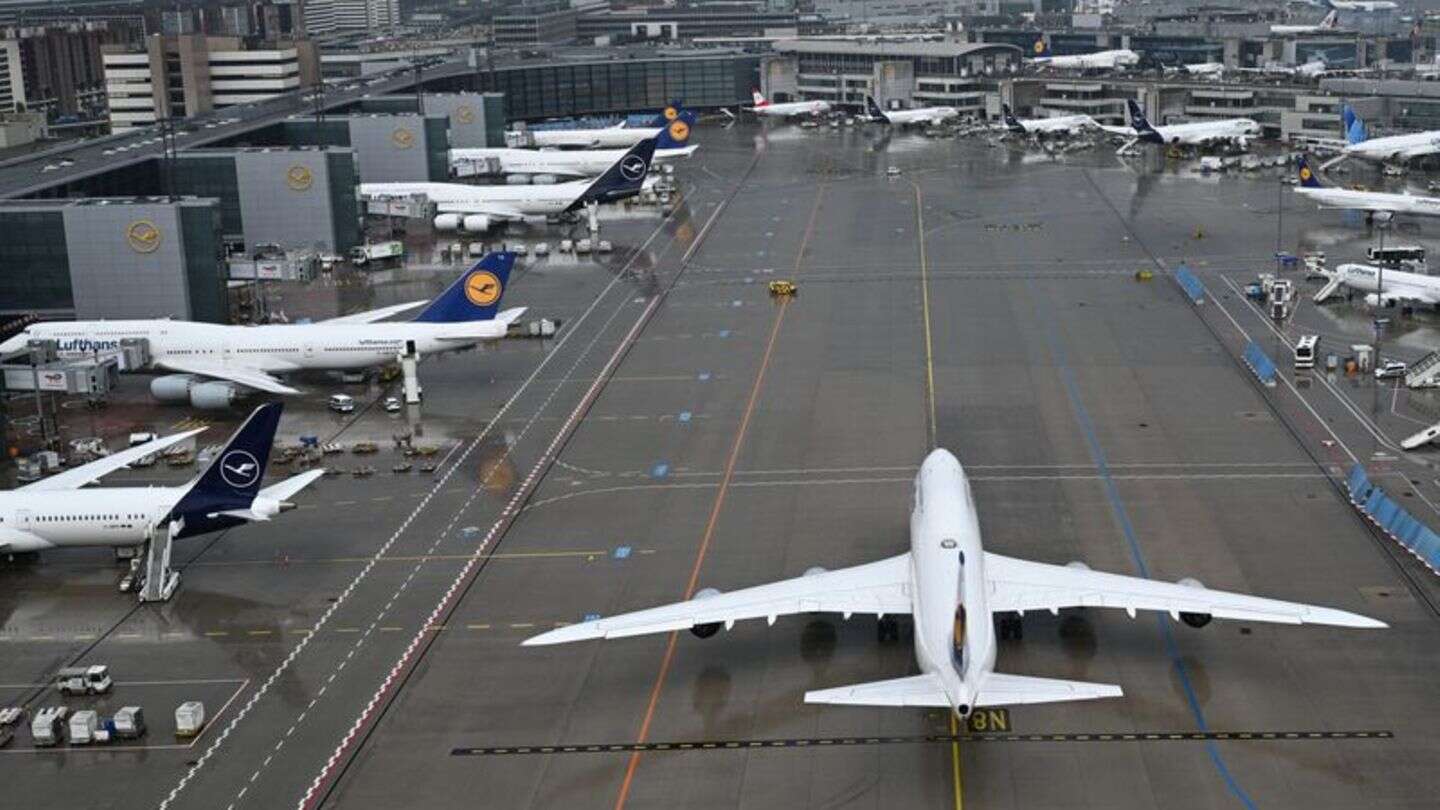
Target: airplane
x: 787, y: 109
x: 952, y: 588
x: 1114, y: 59
x: 1205, y: 70
x: 919, y: 115
x: 670, y: 144
x: 475, y: 209
x: 214, y: 364
x: 616, y: 137
x: 1382, y: 286
x: 1234, y: 130
x: 1394, y: 147
x: 58, y: 512
x: 1326, y: 24
x: 1378, y: 205
x: 1369, y: 6
x: 1058, y: 125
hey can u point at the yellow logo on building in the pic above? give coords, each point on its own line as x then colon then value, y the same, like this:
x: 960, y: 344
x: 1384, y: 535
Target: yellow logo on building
x: 482, y: 287
x: 465, y: 114
x: 671, y: 113
x: 299, y: 178
x: 679, y: 130
x: 143, y: 236
x: 402, y: 138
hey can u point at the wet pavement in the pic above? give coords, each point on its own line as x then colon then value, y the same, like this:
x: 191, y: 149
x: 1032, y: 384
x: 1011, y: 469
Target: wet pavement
x: 687, y: 430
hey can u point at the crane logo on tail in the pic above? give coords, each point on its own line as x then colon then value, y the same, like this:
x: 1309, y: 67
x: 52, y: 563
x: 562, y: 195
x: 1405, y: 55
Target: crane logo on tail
x: 482, y: 288
x: 239, y: 469
x: 671, y: 113
x: 679, y: 130
x: 633, y: 166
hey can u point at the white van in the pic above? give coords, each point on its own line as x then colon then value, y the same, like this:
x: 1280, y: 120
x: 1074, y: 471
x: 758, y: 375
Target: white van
x: 342, y: 403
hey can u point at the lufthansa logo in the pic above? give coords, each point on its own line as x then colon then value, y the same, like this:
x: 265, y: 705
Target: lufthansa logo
x: 679, y: 130
x: 239, y: 469
x: 671, y: 113
x: 1039, y: 46
x: 402, y: 138
x: 465, y: 114
x: 482, y: 288
x: 143, y: 236
x: 1305, y: 173
x: 633, y: 167
x: 299, y: 178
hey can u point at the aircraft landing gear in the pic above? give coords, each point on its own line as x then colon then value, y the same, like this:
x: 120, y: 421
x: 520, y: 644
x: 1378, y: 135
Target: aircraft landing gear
x: 1010, y: 626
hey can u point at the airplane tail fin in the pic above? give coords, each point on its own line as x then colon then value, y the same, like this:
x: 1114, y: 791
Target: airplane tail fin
x: 1330, y: 21
x: 1011, y: 122
x: 475, y: 296
x: 1138, y: 120
x: 665, y: 116
x: 677, y: 132
x: 232, y: 480
x: 624, y: 179
x: 758, y: 98
x: 1010, y: 690
x: 873, y: 108
x: 1347, y: 117
x: 1040, y: 49
x: 1307, y: 177
x: 1355, y: 130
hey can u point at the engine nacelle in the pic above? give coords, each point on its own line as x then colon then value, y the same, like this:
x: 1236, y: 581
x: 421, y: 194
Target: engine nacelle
x: 1196, y: 620
x: 173, y: 387
x: 1077, y: 565
x: 814, y: 570
x: 1375, y: 300
x: 710, y: 628
x: 214, y: 395
x: 447, y: 222
x: 476, y: 223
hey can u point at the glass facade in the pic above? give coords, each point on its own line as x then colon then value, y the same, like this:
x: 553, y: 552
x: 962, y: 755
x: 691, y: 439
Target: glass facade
x: 204, y: 262
x: 346, y: 208
x: 213, y: 175
x: 551, y: 91
x: 36, y: 270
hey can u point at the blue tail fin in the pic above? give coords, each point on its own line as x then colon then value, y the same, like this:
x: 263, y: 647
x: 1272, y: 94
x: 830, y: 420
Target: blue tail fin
x: 233, y: 477
x: 1356, y: 133
x: 624, y: 179
x: 1307, y: 177
x: 665, y: 116
x: 676, y: 133
x: 1347, y: 117
x: 873, y: 108
x: 475, y: 296
x: 1011, y: 122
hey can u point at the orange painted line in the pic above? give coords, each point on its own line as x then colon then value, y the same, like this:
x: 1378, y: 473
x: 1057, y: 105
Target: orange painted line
x: 715, y: 509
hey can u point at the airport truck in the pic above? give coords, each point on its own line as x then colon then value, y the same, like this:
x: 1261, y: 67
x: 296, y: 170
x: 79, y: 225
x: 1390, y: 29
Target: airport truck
x: 362, y: 255
x: 48, y: 725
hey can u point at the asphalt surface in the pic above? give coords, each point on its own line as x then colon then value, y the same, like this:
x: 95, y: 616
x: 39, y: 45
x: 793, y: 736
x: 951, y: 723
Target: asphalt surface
x: 687, y: 431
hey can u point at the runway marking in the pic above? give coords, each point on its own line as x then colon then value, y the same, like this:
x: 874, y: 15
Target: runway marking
x: 719, y: 503
x: 952, y: 739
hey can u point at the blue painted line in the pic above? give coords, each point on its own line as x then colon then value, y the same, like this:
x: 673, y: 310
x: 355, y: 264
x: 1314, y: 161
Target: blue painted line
x: 660, y: 470
x: 621, y: 553
x: 1112, y: 492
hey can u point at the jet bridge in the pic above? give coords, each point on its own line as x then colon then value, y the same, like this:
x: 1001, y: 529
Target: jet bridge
x: 1425, y: 373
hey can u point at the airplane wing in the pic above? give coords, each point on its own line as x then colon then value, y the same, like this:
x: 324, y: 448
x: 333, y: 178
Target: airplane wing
x: 373, y: 315
x: 95, y: 470
x: 493, y: 210
x: 1021, y: 585
x: 249, y: 377
x: 916, y: 690
x: 881, y: 587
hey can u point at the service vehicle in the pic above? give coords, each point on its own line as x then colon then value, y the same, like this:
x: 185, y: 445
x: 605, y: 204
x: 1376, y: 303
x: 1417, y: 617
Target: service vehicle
x: 361, y: 255
x: 129, y: 723
x: 1305, y: 350
x: 189, y: 718
x: 47, y: 728
x: 83, y: 726
x: 341, y: 403
x: 392, y: 405
x: 91, y: 680
x: 782, y: 287
x: 1390, y: 369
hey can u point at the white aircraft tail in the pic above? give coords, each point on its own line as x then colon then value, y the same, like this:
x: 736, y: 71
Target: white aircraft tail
x: 916, y: 690
x: 1010, y: 690
x: 758, y: 98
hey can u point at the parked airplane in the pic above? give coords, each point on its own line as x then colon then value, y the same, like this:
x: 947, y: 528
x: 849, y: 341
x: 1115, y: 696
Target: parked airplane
x: 1395, y: 147
x: 1206, y: 70
x: 616, y: 137
x: 1058, y: 125
x: 670, y: 144
x: 1369, y: 6
x: 1233, y: 130
x: 786, y: 109
x: 1326, y: 24
x: 1379, y: 205
x: 918, y: 115
x: 56, y: 512
x: 1383, y: 286
x: 952, y: 588
x: 1114, y: 59
x: 476, y: 209
x: 217, y: 364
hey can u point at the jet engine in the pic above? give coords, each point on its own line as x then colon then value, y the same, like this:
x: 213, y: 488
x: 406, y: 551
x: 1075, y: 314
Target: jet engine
x: 173, y: 387
x: 476, y: 223
x: 711, y: 628
x: 447, y: 222
x: 1375, y: 300
x: 215, y: 395
x: 1196, y: 620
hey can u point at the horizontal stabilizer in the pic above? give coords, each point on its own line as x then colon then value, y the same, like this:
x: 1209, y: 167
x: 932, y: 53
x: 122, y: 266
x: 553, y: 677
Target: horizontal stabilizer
x: 1010, y: 690
x: 916, y: 690
x: 287, y: 489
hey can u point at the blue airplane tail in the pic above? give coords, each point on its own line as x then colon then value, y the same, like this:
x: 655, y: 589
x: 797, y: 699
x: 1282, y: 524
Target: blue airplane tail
x: 475, y: 296
x: 671, y: 112
x: 624, y: 179
x: 1040, y: 49
x: 1356, y: 132
x: 1347, y: 117
x: 676, y: 133
x: 1307, y: 177
x: 233, y: 478
x: 873, y: 108
x: 1141, y: 124
x: 1011, y: 122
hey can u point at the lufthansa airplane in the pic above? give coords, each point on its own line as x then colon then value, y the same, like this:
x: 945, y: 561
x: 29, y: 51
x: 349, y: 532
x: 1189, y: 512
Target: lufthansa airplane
x: 1383, y: 286
x: 616, y: 137
x: 670, y: 145
x: 918, y: 115
x: 1201, y: 133
x: 1115, y: 59
x: 212, y: 365
x: 56, y: 512
x: 1377, y: 204
x: 461, y: 206
x: 952, y: 588
x: 1058, y: 125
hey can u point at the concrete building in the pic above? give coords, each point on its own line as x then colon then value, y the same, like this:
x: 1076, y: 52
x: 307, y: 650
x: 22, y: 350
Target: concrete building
x: 561, y: 89
x: 56, y: 70
x: 332, y: 16
x: 181, y: 76
x: 695, y: 22
x: 955, y: 74
x: 544, y: 23
x: 113, y: 258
